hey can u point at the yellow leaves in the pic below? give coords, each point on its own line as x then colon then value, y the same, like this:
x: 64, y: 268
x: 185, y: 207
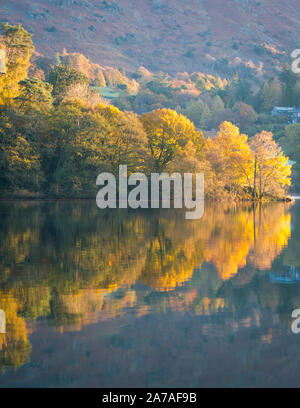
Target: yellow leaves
x: 86, y: 268
x: 273, y: 231
x: 258, y: 167
x: 19, y: 48
x: 256, y: 237
x: 110, y: 112
x: 228, y: 131
x: 230, y: 156
x: 271, y: 169
x: 169, y: 123
x: 168, y: 132
x: 20, y: 155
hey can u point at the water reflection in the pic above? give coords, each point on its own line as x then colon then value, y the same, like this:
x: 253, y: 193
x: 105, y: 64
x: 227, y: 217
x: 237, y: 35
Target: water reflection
x: 68, y: 268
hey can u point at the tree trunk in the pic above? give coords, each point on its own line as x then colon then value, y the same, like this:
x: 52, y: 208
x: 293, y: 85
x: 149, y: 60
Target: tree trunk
x: 254, y: 181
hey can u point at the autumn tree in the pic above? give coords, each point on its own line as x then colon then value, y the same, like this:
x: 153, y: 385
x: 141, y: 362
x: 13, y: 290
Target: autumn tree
x: 84, y: 93
x: 244, y: 114
x: 19, y: 48
x: 79, y: 142
x: 71, y: 148
x: 125, y: 142
x: 271, y: 170
x: 168, y: 132
x: 230, y: 157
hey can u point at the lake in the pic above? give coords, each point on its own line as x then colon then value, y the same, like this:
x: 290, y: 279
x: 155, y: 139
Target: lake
x: 121, y: 298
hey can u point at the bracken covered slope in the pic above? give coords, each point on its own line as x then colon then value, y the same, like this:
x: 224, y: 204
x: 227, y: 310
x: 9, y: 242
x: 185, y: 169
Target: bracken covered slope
x: 167, y: 35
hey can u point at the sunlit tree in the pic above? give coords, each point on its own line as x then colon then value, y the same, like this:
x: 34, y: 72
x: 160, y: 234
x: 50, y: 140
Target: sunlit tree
x: 167, y: 132
x: 271, y: 170
x: 19, y: 48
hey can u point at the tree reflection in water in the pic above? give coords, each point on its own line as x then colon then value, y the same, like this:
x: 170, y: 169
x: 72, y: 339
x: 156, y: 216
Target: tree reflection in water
x: 69, y: 265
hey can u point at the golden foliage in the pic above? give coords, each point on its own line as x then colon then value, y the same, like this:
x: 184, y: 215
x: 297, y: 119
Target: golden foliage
x: 19, y: 48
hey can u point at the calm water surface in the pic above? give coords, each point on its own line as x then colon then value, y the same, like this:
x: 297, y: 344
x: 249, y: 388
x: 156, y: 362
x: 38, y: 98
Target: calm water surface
x: 115, y: 298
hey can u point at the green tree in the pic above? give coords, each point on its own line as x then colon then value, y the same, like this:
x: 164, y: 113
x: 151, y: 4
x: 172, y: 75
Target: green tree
x: 125, y: 142
x: 71, y: 149
x: 291, y: 145
x: 205, y: 117
x: 289, y: 79
x: 35, y: 95
x: 270, y: 95
x: 62, y: 77
x: 194, y: 111
x: 20, y: 167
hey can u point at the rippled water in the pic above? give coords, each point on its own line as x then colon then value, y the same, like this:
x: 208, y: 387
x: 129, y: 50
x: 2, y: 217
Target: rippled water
x: 115, y: 298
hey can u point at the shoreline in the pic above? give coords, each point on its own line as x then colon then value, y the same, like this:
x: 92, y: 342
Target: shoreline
x: 18, y: 197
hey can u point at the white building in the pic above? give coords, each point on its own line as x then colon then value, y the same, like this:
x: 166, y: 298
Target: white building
x: 293, y: 114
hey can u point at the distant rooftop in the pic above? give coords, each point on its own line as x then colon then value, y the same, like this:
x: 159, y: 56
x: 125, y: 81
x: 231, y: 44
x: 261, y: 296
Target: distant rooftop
x: 288, y: 109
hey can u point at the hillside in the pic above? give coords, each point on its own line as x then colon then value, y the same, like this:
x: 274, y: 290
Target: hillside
x: 214, y: 36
